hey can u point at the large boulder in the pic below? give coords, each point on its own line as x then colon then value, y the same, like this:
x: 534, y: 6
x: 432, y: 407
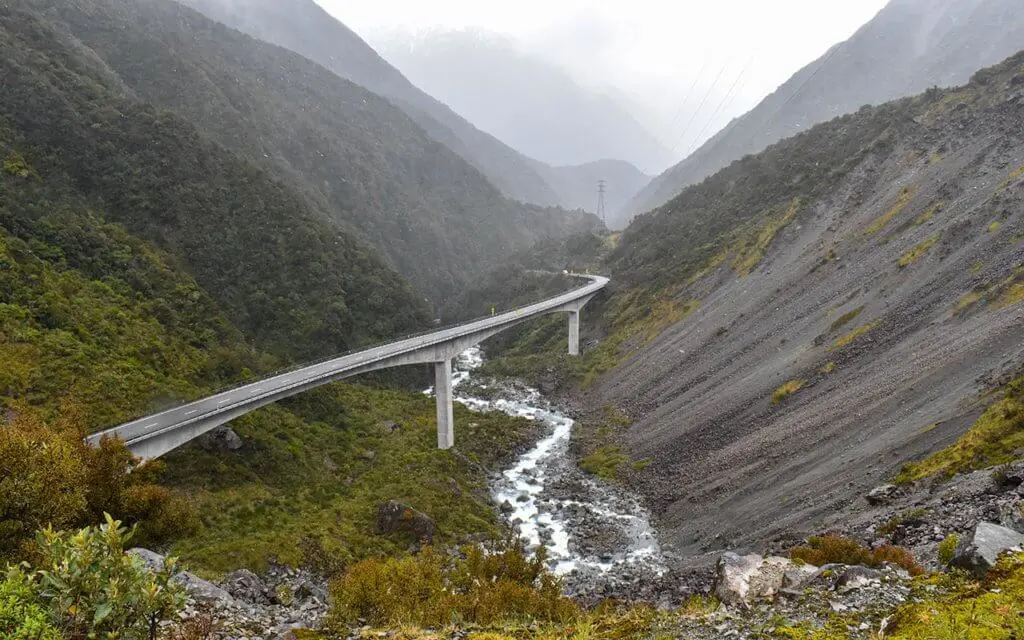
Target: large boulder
x: 394, y: 516
x: 221, y: 439
x: 882, y: 494
x: 197, y: 587
x: 743, y: 579
x: 978, y: 552
x: 799, y: 575
x: 246, y: 585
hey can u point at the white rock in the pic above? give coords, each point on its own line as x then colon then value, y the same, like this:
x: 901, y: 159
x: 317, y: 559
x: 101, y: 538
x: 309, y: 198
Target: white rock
x: 743, y: 579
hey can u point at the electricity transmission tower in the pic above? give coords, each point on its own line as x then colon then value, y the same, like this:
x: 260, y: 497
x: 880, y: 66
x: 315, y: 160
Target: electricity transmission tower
x: 601, y: 184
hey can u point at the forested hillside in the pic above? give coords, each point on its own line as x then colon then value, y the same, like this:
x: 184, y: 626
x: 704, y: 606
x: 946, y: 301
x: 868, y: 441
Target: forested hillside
x: 354, y: 157
x: 297, y: 284
x: 142, y: 264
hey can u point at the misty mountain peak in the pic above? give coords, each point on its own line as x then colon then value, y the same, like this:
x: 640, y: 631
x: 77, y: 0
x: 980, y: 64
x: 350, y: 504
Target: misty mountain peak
x: 522, y: 98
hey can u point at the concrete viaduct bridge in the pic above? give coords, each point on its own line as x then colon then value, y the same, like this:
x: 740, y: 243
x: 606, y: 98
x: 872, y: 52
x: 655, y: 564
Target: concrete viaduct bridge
x: 155, y: 435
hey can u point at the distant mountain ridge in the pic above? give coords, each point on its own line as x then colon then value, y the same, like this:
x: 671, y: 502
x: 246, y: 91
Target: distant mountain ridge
x: 523, y: 99
x: 305, y: 28
x: 909, y: 46
x: 576, y: 186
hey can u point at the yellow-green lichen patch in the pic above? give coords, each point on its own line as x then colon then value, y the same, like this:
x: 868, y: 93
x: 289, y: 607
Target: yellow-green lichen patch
x: 905, y: 198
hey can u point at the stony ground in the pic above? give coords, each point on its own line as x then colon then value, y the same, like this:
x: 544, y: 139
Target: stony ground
x: 733, y: 469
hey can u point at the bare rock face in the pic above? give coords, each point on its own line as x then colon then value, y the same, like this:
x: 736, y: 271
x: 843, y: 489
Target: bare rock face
x: 743, y: 579
x: 394, y: 516
x: 882, y: 494
x: 221, y: 439
x: 978, y: 552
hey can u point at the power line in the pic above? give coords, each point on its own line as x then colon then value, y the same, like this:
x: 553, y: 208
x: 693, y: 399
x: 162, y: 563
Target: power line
x: 700, y: 136
x: 686, y: 96
x: 803, y: 84
x: 699, y: 108
x: 600, y: 202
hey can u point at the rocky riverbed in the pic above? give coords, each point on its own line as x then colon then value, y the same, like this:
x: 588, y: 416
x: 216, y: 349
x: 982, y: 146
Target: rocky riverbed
x: 598, y: 536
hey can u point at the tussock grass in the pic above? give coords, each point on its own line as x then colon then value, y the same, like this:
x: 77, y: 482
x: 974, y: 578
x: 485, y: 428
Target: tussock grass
x: 956, y: 606
x: 992, y: 440
x: 1008, y: 292
x: 914, y: 254
x: 928, y: 214
x: 1015, y: 175
x: 822, y: 550
x: 905, y: 198
x: 845, y: 319
x: 752, y: 251
x: 852, y: 336
x: 787, y: 390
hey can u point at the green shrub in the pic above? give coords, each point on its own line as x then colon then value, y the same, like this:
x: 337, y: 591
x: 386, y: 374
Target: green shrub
x: 430, y: 589
x: 604, y: 462
x: 50, y: 478
x: 947, y: 548
x: 21, y: 617
x: 41, y: 479
x: 95, y: 590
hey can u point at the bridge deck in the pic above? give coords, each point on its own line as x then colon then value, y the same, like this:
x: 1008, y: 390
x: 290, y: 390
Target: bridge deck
x: 194, y: 418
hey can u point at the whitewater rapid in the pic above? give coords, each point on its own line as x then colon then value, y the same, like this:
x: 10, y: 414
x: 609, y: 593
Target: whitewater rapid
x: 550, y: 502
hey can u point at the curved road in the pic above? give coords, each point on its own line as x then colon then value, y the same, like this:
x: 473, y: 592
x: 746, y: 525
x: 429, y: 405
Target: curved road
x: 154, y: 435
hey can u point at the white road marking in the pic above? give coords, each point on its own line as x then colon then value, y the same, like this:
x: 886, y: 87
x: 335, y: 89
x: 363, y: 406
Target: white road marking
x: 188, y: 413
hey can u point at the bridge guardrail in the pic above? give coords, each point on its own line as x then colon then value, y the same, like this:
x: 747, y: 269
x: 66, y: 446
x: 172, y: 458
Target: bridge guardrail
x: 298, y: 366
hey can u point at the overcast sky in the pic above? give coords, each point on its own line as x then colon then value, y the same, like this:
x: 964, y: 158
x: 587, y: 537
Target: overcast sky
x: 650, y: 52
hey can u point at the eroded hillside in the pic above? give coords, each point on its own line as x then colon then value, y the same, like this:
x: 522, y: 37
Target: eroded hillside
x: 790, y: 332
x: 887, y: 300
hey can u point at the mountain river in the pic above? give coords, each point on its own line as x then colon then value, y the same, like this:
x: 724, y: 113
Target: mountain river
x: 597, y: 535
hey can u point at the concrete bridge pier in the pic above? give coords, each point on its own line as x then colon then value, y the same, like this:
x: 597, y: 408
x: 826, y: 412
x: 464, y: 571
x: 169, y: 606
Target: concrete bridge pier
x: 574, y: 333
x: 443, y: 397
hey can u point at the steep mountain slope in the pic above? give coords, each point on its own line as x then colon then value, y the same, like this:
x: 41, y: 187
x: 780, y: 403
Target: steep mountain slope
x: 294, y: 282
x: 576, y: 186
x: 522, y: 99
x: 911, y: 45
x: 142, y: 264
x: 792, y: 330
x: 354, y: 156
x: 305, y: 28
